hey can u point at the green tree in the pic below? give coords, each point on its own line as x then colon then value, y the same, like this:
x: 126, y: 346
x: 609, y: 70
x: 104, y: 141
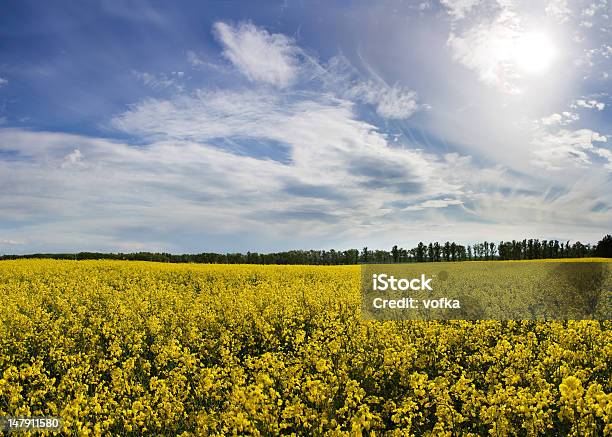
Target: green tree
x: 437, y: 250
x: 604, y: 247
x: 365, y: 255
x: 395, y: 254
x: 446, y: 251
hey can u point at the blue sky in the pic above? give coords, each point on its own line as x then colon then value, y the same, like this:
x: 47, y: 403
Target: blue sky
x: 234, y: 126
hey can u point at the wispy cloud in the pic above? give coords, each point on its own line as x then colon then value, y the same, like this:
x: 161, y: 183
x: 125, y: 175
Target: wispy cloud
x: 326, y: 140
x: 161, y: 81
x: 459, y: 8
x: 9, y: 242
x: 566, y: 148
x: 390, y: 101
x: 277, y: 60
x: 175, y: 193
x: 195, y: 60
x: 261, y: 56
x: 341, y: 173
x: 559, y: 10
x: 434, y: 203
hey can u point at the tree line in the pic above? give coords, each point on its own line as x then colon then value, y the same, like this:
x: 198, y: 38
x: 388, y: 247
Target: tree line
x: 433, y: 252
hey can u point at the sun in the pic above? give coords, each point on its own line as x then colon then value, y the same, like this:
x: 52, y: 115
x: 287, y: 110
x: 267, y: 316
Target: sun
x: 534, y: 52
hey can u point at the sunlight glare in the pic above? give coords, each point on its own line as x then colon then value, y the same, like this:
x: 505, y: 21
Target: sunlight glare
x: 534, y: 52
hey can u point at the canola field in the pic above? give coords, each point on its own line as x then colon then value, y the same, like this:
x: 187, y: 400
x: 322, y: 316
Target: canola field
x: 132, y: 348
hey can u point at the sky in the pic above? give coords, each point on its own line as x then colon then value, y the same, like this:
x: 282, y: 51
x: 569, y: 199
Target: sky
x: 224, y: 126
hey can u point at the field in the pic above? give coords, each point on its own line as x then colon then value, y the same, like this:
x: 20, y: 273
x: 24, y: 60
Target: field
x: 131, y: 347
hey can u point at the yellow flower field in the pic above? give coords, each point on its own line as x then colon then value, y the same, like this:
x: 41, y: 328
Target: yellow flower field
x: 132, y: 347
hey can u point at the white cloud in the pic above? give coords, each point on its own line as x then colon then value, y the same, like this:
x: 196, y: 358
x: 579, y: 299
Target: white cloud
x: 561, y: 210
x: 200, y: 62
x: 458, y: 9
x: 565, y: 148
x: 589, y: 104
x: 594, y: 56
x: 275, y: 59
x: 194, y: 60
x: 434, y: 203
x: 160, y: 81
x: 322, y: 133
x: 323, y: 174
x: 552, y: 119
x: 184, y: 189
x: 606, y: 154
x: 258, y: 54
x: 390, y: 101
x: 73, y: 159
x: 9, y: 242
x: 559, y: 10
x: 596, y: 9
x: 347, y: 170
x: 562, y: 118
x: 203, y: 115
x: 3, y: 82
x: 487, y: 48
